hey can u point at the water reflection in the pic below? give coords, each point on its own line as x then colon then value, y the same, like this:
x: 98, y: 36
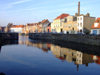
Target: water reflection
x: 2, y: 73
x: 62, y: 53
x: 7, y: 42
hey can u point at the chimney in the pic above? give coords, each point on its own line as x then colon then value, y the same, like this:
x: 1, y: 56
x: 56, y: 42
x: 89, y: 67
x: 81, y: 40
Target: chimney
x: 78, y: 8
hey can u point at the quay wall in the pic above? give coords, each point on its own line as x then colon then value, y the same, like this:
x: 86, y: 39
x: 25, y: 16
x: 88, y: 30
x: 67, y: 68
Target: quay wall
x: 75, y: 38
x: 9, y: 36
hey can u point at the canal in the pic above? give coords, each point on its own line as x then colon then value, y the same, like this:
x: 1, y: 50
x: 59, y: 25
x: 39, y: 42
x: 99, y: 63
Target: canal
x: 28, y: 57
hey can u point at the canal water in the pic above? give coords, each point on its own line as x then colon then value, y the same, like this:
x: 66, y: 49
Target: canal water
x: 27, y: 57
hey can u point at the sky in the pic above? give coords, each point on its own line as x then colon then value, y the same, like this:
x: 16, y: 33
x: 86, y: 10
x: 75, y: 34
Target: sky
x: 31, y: 11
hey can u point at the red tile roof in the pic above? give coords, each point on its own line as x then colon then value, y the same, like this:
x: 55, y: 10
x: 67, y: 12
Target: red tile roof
x: 17, y: 26
x: 45, y: 20
x: 97, y: 21
x: 62, y: 16
x: 98, y: 27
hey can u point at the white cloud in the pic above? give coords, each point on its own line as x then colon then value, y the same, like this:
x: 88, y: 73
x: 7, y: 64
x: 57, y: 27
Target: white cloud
x: 12, y: 4
x: 19, y: 2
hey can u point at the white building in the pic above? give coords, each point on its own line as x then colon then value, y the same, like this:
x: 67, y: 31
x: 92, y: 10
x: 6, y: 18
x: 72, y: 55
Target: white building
x: 17, y: 28
x: 84, y: 23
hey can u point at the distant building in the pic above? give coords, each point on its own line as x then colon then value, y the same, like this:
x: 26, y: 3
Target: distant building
x: 31, y: 27
x: 95, y: 29
x: 44, y: 23
x: 57, y: 24
x: 84, y: 23
x: 17, y: 28
x: 2, y: 29
x: 37, y: 27
x: 70, y: 25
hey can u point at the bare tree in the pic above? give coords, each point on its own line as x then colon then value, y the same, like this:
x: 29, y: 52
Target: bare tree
x: 10, y: 24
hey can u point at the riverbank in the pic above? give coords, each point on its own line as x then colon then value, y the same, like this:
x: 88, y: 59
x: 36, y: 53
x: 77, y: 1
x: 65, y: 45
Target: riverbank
x: 64, y: 38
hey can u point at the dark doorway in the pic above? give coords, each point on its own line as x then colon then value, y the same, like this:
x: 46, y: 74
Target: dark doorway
x: 61, y: 30
x: 48, y: 30
x: 80, y: 30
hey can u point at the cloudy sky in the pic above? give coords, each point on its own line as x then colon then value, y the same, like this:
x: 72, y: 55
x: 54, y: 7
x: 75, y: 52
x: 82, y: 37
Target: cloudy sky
x: 29, y: 11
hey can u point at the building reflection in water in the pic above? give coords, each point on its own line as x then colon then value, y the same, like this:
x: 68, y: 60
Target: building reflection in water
x: 25, y: 41
x: 0, y: 48
x: 64, y: 54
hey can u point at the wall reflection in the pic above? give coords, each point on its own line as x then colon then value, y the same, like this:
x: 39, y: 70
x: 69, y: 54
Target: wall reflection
x: 64, y: 54
x: 7, y: 42
x: 2, y: 73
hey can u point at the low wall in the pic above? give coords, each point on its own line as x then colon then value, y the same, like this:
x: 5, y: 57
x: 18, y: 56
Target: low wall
x: 9, y: 36
x: 76, y: 38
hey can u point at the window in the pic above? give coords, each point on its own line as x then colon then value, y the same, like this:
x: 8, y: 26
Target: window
x: 80, y: 24
x: 94, y: 31
x: 78, y: 18
x: 73, y: 29
x: 99, y: 31
x: 65, y: 20
x: 81, y: 18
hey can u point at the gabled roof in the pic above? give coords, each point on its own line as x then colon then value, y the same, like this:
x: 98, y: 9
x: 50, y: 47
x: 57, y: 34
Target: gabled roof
x: 98, y: 26
x: 45, y: 20
x: 62, y: 16
x: 33, y: 24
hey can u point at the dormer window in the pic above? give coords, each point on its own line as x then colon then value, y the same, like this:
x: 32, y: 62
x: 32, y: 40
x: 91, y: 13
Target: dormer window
x: 96, y: 24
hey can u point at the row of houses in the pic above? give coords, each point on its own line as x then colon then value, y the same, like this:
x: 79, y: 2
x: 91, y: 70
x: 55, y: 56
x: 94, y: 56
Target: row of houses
x: 72, y: 24
x: 39, y: 27
x: 43, y: 26
x: 65, y: 23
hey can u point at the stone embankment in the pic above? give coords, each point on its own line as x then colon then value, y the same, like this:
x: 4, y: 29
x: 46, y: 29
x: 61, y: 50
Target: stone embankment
x: 9, y: 36
x: 75, y: 38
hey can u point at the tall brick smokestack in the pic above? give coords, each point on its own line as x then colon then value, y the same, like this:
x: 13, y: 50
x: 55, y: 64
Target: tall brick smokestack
x: 78, y: 8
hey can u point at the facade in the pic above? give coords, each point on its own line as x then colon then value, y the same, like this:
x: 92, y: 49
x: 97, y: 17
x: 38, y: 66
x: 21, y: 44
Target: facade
x: 49, y: 28
x: 70, y: 26
x: 31, y: 27
x: 44, y: 24
x: 84, y: 23
x: 17, y: 28
x: 37, y: 27
x: 57, y: 24
x: 95, y: 29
